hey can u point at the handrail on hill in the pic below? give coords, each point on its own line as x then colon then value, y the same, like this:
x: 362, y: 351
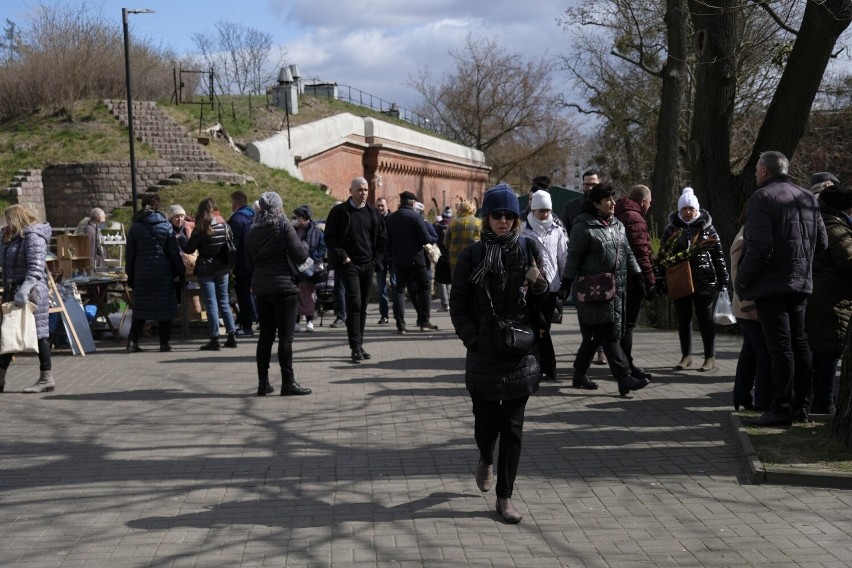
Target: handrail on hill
x: 358, y: 97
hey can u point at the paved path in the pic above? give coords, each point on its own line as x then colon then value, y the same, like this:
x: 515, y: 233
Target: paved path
x: 159, y: 460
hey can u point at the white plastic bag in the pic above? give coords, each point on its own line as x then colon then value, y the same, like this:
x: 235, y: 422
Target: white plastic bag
x: 18, y: 330
x: 722, y: 313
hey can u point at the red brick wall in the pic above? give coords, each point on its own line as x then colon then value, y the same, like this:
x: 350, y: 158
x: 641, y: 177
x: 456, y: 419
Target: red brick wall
x: 435, y: 181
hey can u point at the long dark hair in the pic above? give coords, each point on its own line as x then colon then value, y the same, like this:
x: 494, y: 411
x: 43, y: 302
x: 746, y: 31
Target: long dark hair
x: 204, y: 216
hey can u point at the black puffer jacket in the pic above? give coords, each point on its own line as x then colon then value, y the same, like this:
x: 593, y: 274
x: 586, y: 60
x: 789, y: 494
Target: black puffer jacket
x: 212, y: 249
x: 267, y: 250
x: 153, y: 261
x: 491, y: 373
x: 709, y: 271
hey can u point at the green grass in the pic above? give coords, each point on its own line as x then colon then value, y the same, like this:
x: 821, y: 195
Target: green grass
x: 802, y: 446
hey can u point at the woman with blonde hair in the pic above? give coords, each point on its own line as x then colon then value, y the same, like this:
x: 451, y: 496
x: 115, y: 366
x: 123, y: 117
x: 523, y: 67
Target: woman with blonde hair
x: 463, y: 231
x: 22, y: 256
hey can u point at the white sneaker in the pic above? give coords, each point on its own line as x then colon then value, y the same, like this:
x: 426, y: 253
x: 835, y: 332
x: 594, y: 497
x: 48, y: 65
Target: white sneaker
x: 309, y: 326
x: 298, y: 328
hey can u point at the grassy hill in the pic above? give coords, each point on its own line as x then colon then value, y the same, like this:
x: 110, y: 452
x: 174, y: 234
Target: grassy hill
x: 87, y: 133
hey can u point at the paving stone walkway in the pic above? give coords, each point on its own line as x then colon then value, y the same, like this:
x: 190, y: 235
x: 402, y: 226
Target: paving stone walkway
x: 159, y: 460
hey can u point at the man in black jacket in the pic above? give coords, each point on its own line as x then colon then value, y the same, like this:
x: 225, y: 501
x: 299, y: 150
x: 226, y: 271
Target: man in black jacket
x: 407, y: 233
x: 783, y: 230
x: 356, y: 237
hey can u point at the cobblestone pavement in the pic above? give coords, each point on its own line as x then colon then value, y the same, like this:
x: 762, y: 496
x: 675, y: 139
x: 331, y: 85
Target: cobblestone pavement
x: 153, y: 459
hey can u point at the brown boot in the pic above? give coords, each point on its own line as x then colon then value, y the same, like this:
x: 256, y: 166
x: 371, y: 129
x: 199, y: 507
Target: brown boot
x: 484, y: 476
x: 506, y: 510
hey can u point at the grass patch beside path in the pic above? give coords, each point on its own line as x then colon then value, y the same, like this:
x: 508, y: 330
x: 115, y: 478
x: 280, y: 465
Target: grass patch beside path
x: 802, y: 446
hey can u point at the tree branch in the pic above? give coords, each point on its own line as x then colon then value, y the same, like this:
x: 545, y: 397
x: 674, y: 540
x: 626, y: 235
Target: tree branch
x: 638, y: 64
x: 781, y: 23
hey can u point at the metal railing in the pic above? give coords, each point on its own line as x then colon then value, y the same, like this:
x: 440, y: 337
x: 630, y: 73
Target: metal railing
x: 358, y: 97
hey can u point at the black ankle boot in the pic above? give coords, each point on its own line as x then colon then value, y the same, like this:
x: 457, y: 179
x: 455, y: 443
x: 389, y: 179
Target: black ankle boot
x: 263, y: 387
x: 212, y: 345
x: 133, y: 347
x: 629, y: 383
x: 290, y: 387
x: 231, y: 341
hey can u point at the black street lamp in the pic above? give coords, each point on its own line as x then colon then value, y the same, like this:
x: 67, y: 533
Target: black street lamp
x: 124, y: 12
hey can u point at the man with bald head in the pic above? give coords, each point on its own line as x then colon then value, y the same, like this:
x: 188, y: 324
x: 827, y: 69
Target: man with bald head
x: 356, y: 237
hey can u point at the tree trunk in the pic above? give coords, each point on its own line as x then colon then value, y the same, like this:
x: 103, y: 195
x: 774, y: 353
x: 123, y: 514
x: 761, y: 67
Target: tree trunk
x: 664, y: 180
x: 709, y: 149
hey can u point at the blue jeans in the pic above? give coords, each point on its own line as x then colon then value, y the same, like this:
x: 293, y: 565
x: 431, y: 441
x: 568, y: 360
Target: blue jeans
x: 214, y: 291
x: 242, y: 286
x: 382, y: 289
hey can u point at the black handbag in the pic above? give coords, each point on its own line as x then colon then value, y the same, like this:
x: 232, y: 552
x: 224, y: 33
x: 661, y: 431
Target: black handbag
x: 514, y: 335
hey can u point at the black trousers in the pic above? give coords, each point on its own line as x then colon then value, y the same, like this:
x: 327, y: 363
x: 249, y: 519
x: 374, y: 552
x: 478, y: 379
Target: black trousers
x: 164, y: 330
x: 754, y: 367
x: 242, y: 287
x: 276, y: 314
x: 600, y: 335
x: 704, y: 315
x: 782, y: 318
x: 547, y: 355
x: 357, y: 280
x: 503, y: 419
x: 416, y: 280
x: 44, y: 363
x: 632, y: 307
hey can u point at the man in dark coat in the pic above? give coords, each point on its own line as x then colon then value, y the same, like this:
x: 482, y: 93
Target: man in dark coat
x: 631, y: 211
x: 240, y: 223
x: 357, y: 238
x: 573, y: 208
x: 407, y: 233
x: 783, y: 229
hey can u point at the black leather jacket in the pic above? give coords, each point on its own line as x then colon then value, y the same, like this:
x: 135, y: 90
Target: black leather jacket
x: 709, y: 270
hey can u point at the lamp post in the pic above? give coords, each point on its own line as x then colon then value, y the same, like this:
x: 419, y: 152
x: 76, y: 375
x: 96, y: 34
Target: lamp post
x: 124, y: 12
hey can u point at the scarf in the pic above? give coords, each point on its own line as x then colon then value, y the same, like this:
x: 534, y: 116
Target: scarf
x: 694, y: 219
x: 494, y: 247
x: 539, y: 227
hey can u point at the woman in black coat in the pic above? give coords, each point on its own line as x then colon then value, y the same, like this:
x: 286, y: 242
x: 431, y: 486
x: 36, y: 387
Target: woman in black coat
x: 691, y: 225
x: 497, y: 275
x: 269, y: 244
x: 153, y: 263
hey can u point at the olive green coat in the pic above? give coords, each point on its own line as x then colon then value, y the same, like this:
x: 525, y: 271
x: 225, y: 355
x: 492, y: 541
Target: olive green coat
x: 591, y: 250
x: 829, y: 308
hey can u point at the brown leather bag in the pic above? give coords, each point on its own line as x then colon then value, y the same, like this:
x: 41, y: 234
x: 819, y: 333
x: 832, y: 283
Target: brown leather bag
x: 679, y: 280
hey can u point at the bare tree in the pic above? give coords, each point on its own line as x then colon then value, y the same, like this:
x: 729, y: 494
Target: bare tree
x: 10, y: 43
x: 241, y: 57
x: 500, y: 103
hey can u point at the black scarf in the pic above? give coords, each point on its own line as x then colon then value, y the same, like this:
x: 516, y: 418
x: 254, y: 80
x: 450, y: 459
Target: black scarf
x: 493, y: 261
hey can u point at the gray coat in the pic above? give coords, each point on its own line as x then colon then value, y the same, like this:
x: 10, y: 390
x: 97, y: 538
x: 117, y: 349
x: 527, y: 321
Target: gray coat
x: 23, y: 267
x: 491, y: 373
x: 592, y: 250
x: 153, y: 262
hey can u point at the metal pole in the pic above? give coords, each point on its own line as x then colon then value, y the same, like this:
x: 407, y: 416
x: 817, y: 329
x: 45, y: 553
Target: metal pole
x: 129, y: 109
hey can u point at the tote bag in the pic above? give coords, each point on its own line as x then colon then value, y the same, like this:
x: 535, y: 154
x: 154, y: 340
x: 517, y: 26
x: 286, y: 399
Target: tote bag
x: 18, y: 330
x: 679, y: 280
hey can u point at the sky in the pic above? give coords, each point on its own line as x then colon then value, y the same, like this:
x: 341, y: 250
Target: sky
x: 371, y: 45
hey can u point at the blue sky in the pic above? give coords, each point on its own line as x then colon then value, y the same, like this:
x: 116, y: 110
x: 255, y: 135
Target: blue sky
x: 373, y: 45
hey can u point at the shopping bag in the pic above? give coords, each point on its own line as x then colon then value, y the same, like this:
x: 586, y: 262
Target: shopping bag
x: 679, y: 280
x: 722, y: 313
x: 18, y: 330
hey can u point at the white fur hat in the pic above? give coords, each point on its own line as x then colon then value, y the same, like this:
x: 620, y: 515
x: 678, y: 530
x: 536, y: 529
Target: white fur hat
x: 687, y: 199
x: 541, y: 200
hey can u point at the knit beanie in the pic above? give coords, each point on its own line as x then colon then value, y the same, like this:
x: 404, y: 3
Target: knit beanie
x: 541, y: 200
x: 270, y: 200
x: 447, y: 213
x: 303, y: 211
x: 501, y: 197
x: 174, y: 210
x: 688, y: 199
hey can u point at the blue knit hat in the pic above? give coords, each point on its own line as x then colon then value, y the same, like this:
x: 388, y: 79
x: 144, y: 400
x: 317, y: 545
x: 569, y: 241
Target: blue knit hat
x: 501, y: 197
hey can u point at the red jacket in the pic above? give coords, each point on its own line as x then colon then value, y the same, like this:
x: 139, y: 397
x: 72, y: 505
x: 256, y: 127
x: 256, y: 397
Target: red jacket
x: 631, y: 217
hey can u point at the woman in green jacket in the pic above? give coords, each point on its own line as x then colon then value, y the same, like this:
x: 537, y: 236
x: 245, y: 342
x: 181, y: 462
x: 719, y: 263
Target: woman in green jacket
x: 599, y: 245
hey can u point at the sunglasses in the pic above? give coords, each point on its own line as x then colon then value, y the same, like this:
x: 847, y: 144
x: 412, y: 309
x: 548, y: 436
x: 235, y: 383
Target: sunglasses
x: 503, y: 215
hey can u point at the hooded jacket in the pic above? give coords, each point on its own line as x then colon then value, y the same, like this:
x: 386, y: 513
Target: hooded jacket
x: 153, y: 261
x: 636, y: 228
x: 709, y: 271
x: 240, y: 223
x: 23, y: 260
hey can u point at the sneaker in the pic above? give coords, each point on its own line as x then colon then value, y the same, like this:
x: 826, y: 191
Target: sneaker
x: 383, y: 320
x: 298, y: 328
x: 309, y: 327
x: 244, y: 333
x: 428, y: 327
x: 338, y: 323
x: 443, y: 309
x: 401, y: 331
